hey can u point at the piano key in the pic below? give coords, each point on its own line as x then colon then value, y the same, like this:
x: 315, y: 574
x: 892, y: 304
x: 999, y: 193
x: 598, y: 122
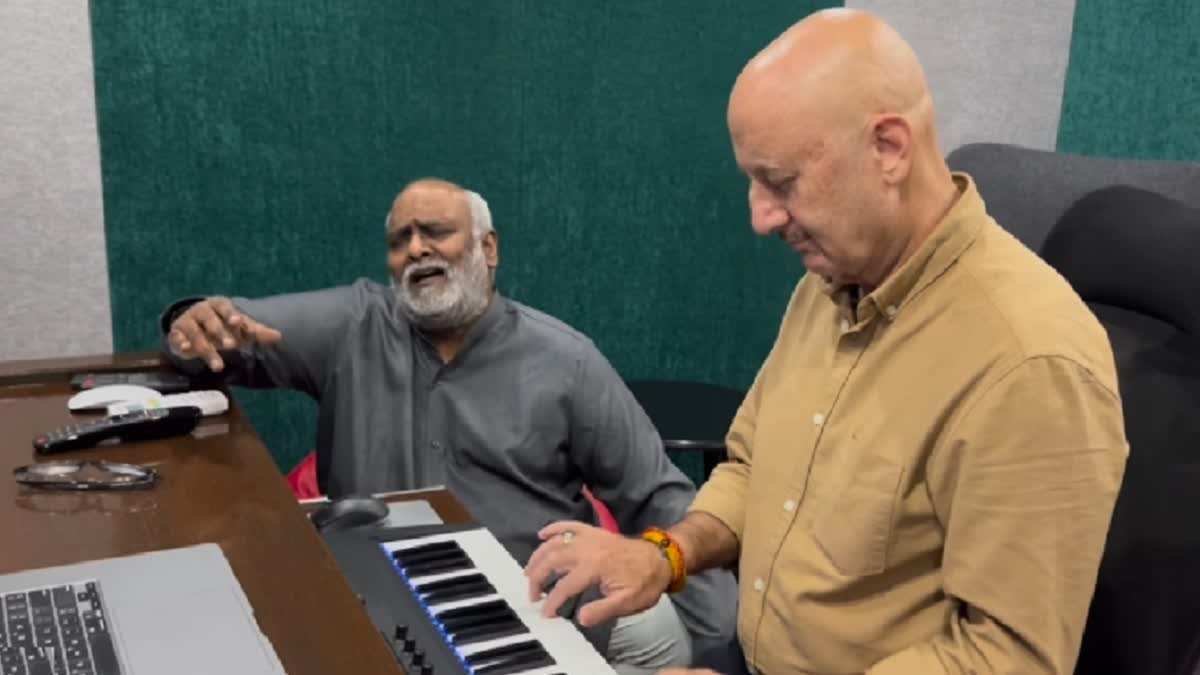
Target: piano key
x: 427, y: 556
x: 562, y: 641
x: 430, y: 556
x: 471, y: 636
x: 482, y: 616
x: 416, y: 551
x: 462, y: 592
x: 448, y: 565
x: 467, y: 578
x: 485, y: 655
x: 517, y: 664
x: 470, y: 609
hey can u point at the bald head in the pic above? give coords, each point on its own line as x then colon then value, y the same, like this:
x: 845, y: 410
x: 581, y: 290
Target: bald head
x: 835, y: 69
x: 834, y: 125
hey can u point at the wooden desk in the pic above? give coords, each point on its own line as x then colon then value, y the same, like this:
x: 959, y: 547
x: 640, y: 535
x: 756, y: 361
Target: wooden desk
x: 219, y: 485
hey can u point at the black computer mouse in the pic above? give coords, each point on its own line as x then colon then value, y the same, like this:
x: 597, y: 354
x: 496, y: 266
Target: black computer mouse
x: 349, y: 512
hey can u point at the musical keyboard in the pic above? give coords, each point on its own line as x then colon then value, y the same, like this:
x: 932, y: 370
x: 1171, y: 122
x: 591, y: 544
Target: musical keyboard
x: 450, y: 600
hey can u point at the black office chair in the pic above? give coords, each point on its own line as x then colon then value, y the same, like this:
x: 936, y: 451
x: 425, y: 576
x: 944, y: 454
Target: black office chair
x: 692, y: 418
x: 1134, y: 257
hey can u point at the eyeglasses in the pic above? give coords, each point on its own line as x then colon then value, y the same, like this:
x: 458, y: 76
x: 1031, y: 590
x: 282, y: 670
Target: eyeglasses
x: 86, y: 475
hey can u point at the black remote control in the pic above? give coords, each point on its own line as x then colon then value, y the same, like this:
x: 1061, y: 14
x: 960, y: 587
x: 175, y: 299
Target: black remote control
x: 162, y: 382
x: 140, y: 425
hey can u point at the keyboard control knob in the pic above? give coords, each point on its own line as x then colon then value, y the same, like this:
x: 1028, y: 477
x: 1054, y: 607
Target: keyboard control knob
x: 410, y: 644
x: 427, y: 669
x: 418, y: 657
x: 401, y: 631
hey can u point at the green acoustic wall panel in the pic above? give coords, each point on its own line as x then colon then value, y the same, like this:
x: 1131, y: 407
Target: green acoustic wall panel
x: 1133, y: 83
x: 254, y: 148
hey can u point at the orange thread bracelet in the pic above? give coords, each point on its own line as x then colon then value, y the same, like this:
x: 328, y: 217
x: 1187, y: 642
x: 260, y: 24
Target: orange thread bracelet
x: 673, y: 554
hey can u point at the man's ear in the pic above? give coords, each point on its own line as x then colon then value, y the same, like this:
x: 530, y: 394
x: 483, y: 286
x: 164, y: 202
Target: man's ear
x: 491, y: 249
x: 892, y: 139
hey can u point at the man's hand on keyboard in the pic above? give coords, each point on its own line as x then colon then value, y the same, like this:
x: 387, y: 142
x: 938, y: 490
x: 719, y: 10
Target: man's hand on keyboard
x: 631, y: 573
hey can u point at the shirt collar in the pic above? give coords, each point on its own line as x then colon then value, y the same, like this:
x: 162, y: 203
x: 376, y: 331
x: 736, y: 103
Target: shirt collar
x: 952, y: 236
x: 496, y: 309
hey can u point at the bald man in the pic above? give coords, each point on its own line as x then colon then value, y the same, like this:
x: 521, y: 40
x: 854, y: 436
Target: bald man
x: 439, y: 380
x: 921, y: 478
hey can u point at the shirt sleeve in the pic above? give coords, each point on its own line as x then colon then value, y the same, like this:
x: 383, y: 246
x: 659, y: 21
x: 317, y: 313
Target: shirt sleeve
x: 621, y: 458
x: 311, y: 323
x: 1025, y: 486
x: 723, y: 495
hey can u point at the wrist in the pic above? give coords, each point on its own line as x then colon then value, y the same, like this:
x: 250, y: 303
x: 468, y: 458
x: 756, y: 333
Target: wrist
x: 671, y: 553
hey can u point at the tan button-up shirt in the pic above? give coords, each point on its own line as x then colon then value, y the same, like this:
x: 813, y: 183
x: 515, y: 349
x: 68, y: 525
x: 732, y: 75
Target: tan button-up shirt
x: 921, y: 482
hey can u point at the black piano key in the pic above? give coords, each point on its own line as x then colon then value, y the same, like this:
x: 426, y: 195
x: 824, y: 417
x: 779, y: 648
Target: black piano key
x: 405, y: 553
x: 476, y: 590
x: 441, y: 584
x: 104, y: 656
x: 429, y: 556
x: 470, y: 610
x: 498, y: 652
x: 517, y: 664
x: 455, y: 625
x: 439, y: 567
x: 488, y: 632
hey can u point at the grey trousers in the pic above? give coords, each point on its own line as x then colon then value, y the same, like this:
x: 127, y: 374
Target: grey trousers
x: 644, y: 643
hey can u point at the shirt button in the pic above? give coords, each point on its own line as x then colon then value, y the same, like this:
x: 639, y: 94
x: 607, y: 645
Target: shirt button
x: 890, y: 310
x: 789, y: 506
x: 818, y: 419
x: 759, y: 585
x: 436, y: 446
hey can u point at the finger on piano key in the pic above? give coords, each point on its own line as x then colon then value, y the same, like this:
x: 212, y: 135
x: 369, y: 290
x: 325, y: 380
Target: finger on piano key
x: 561, y: 641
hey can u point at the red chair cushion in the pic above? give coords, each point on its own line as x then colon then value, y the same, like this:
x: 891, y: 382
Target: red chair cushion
x: 303, y: 478
x: 606, y: 517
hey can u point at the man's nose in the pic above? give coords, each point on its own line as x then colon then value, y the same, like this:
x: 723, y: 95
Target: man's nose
x: 417, y: 248
x: 767, y: 214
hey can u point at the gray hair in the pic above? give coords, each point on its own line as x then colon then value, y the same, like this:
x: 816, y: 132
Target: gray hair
x: 481, y: 215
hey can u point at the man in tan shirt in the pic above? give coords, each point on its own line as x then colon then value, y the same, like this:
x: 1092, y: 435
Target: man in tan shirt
x: 921, y: 478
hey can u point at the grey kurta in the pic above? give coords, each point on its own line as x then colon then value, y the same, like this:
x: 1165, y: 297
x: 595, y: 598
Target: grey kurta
x: 527, y: 413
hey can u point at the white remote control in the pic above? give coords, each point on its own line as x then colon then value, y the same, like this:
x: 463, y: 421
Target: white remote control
x: 210, y: 402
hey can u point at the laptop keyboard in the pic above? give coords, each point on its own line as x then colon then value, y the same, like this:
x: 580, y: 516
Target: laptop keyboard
x: 56, y: 630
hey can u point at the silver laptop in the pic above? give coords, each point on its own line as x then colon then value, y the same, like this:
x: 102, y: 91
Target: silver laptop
x: 179, y: 611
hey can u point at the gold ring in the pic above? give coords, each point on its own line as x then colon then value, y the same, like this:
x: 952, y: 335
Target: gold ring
x: 568, y: 536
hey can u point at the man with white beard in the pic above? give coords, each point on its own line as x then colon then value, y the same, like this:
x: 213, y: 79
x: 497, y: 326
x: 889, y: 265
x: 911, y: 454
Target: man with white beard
x: 440, y: 380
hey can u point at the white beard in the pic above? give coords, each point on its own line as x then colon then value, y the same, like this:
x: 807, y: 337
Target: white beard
x: 462, y: 296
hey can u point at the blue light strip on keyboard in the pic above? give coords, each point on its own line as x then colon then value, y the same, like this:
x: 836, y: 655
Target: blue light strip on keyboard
x: 428, y: 611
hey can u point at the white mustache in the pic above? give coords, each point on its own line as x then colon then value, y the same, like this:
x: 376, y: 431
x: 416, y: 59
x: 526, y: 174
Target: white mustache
x: 441, y: 265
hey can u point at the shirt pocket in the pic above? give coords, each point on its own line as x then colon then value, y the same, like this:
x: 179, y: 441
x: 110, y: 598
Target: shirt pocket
x: 855, y: 531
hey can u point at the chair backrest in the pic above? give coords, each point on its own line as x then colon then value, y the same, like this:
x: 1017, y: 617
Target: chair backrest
x: 1131, y: 254
x: 1132, y: 257
x: 1027, y: 190
x: 692, y: 418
